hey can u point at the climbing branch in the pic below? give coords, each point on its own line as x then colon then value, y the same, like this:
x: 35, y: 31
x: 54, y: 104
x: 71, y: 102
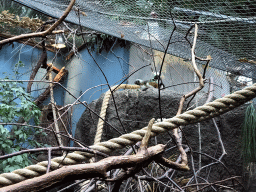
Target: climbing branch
x: 27, y: 42
x: 200, y: 77
x: 83, y: 171
x: 98, y: 169
x: 207, y: 111
x: 41, y: 34
x: 59, y: 140
x: 184, y: 97
x: 36, y: 150
x: 42, y: 62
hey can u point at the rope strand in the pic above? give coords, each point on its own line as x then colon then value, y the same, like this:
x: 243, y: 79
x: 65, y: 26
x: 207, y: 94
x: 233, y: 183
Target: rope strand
x: 198, y: 114
x: 105, y: 106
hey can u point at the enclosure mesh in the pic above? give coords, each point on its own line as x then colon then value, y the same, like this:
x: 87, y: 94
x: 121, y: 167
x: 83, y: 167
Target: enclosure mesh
x: 226, y: 28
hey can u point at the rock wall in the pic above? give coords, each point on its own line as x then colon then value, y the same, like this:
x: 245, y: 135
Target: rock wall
x: 135, y: 108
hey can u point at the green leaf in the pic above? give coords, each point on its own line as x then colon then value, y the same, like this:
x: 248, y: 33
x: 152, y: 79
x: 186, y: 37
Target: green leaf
x: 15, y: 102
x: 19, y: 159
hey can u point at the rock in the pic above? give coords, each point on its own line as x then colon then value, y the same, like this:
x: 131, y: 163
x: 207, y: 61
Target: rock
x: 135, y: 109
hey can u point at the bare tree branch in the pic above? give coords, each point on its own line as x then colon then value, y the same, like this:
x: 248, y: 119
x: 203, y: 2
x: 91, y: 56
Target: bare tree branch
x: 44, y: 33
x: 82, y: 171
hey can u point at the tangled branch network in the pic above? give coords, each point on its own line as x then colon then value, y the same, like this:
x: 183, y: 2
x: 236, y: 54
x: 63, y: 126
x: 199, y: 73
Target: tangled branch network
x: 198, y: 114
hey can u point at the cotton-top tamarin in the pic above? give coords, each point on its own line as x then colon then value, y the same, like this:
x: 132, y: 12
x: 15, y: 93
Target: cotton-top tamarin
x: 145, y: 84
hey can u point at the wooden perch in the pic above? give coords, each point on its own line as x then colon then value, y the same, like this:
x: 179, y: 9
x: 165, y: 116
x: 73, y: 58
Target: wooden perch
x: 59, y: 139
x: 42, y: 62
x: 54, y: 69
x: 27, y: 42
x: 145, y: 140
x: 184, y: 97
x: 132, y: 163
x: 45, y: 94
x: 168, y: 163
x: 91, y: 170
x: 84, y: 171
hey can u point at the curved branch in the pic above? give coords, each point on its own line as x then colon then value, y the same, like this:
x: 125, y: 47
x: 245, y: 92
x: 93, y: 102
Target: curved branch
x: 41, y: 34
x: 207, y: 111
x: 82, y: 171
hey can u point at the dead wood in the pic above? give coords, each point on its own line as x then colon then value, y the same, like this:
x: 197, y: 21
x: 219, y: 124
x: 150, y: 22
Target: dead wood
x: 132, y: 163
x: 83, y: 171
x: 41, y: 34
x: 54, y: 69
x: 27, y: 42
x: 41, y: 63
x: 91, y: 170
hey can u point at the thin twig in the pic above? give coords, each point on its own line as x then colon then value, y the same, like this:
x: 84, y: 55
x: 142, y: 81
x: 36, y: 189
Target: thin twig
x: 145, y: 140
x: 161, y: 67
x: 119, y: 119
x: 53, y: 108
x: 49, y: 160
x: 44, y: 33
x: 36, y: 150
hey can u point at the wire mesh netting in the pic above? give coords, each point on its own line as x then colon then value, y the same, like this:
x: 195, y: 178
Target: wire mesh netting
x: 226, y: 28
x: 226, y: 33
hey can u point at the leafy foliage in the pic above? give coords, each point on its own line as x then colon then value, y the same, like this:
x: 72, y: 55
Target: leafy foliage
x: 20, y: 10
x: 18, y: 19
x: 12, y: 20
x: 249, y: 136
x: 15, y: 105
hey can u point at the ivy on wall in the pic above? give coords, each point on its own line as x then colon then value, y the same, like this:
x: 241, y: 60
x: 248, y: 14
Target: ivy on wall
x: 16, y: 105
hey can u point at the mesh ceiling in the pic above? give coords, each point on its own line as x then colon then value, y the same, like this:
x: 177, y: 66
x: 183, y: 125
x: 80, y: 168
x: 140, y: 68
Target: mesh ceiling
x: 226, y: 28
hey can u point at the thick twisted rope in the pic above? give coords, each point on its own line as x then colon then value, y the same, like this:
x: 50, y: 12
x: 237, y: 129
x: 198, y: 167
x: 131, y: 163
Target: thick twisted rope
x: 198, y: 114
x: 104, y: 107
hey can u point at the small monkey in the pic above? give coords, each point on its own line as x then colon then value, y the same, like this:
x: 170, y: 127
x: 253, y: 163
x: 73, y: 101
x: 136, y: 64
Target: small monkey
x: 145, y: 84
